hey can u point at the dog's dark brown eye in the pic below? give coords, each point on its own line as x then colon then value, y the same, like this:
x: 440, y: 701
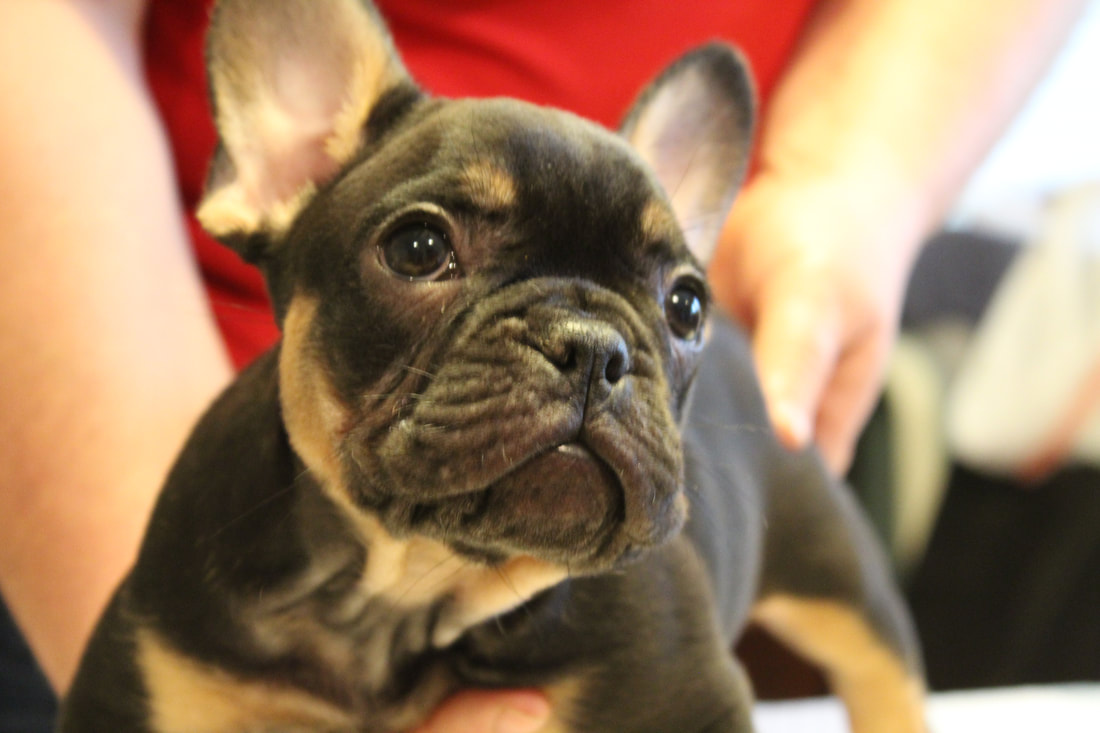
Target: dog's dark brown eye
x: 684, y: 309
x: 418, y: 252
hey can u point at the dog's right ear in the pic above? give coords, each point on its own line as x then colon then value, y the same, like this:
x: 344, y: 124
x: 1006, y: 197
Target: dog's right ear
x: 292, y: 84
x: 693, y: 125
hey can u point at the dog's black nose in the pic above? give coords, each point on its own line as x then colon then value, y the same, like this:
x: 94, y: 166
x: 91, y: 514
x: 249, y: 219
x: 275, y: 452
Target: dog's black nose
x: 591, y: 352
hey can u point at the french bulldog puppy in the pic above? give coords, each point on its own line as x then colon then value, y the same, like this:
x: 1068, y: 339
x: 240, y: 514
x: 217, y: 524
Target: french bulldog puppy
x: 477, y: 457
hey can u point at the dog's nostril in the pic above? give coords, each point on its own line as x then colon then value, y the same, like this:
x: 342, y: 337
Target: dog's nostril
x: 616, y: 366
x: 562, y: 353
x: 568, y: 362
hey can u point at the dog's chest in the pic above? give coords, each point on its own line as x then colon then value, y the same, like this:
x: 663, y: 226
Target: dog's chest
x: 369, y: 634
x: 336, y: 652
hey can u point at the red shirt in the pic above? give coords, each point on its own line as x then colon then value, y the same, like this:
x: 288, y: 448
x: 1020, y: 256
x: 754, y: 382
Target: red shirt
x: 588, y: 56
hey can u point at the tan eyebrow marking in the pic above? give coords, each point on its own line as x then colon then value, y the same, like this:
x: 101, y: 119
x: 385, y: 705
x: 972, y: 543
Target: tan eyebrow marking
x: 656, y: 221
x: 489, y: 186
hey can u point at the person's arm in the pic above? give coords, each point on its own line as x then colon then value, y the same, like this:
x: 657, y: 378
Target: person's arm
x: 108, y: 352
x: 886, y: 108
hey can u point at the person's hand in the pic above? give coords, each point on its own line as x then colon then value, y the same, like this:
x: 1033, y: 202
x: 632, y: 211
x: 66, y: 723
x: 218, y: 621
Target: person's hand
x: 815, y: 268
x: 485, y: 711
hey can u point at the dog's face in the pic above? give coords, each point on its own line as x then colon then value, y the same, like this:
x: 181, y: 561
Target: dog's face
x: 506, y: 317
x: 491, y: 311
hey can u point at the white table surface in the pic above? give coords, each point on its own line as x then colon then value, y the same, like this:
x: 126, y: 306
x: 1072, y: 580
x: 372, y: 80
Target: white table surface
x: 1053, y: 709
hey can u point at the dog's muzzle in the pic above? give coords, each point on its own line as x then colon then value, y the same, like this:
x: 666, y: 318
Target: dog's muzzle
x: 546, y: 430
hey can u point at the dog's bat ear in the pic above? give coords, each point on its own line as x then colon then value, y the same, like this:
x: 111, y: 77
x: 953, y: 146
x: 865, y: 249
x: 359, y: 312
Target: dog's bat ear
x: 292, y: 84
x: 693, y: 125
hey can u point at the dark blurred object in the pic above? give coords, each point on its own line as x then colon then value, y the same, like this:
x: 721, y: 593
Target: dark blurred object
x: 955, y: 276
x: 26, y: 703
x: 1009, y: 589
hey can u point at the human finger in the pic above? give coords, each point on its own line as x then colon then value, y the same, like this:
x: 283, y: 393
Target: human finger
x: 485, y: 711
x: 848, y: 399
x: 796, y: 343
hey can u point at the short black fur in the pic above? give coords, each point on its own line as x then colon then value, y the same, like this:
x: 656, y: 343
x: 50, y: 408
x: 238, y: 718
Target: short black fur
x: 481, y: 479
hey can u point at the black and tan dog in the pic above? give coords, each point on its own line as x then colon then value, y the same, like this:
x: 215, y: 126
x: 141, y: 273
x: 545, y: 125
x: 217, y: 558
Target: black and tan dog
x: 469, y: 462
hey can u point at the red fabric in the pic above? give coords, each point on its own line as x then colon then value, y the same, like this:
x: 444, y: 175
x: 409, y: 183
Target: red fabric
x: 588, y: 56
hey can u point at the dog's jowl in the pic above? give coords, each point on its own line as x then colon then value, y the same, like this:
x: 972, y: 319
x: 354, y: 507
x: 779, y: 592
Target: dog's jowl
x: 502, y: 442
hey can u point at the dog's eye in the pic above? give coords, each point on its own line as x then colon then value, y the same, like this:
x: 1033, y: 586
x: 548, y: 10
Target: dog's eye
x: 418, y: 251
x: 685, y: 309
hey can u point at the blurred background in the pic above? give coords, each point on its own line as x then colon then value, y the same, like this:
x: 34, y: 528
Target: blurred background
x: 981, y: 466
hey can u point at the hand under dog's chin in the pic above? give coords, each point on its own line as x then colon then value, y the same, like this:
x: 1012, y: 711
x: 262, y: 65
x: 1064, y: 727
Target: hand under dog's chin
x: 565, y: 505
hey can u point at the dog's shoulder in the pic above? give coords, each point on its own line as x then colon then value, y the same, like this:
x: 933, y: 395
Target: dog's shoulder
x: 234, y: 522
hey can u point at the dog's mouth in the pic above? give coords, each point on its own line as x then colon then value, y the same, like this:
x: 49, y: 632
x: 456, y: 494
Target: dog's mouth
x: 587, y: 491
x: 565, y: 497
x: 565, y: 505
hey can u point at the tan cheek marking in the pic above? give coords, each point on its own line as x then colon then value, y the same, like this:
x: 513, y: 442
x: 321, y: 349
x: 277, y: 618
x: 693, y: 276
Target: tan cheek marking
x: 487, y: 592
x: 488, y: 186
x: 878, y: 692
x: 186, y: 696
x: 418, y: 571
x: 313, y: 416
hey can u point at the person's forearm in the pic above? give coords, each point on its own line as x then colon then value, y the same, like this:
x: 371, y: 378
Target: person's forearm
x: 909, y: 94
x: 107, y: 349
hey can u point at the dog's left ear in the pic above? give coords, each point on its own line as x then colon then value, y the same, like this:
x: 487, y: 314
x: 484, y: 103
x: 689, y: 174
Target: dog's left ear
x: 293, y: 84
x: 693, y: 125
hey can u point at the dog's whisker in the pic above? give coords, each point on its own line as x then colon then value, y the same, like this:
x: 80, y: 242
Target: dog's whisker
x: 508, y: 582
x: 390, y: 395
x: 418, y: 371
x: 423, y: 576
x: 511, y: 586
x: 256, y: 507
